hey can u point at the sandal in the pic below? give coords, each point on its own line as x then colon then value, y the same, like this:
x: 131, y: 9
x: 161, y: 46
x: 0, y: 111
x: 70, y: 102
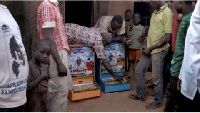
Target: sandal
x: 149, y: 81
x: 126, y: 76
x: 153, y: 106
x: 136, y: 97
x: 151, y: 86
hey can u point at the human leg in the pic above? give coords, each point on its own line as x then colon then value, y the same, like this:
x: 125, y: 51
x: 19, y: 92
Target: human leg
x: 59, y: 102
x: 140, y: 71
x: 172, y: 95
x: 157, y: 77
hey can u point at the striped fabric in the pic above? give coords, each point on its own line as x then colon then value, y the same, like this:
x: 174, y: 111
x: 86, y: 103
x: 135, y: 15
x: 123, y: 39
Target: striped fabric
x: 49, y: 13
x: 180, y: 45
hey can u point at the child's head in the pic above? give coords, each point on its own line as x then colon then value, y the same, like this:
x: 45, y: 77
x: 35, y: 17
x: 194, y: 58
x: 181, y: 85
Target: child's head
x: 128, y: 15
x: 136, y: 18
x: 41, y: 51
x: 182, y: 5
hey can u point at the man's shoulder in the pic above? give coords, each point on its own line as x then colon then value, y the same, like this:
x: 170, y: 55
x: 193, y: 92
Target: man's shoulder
x: 3, y: 6
x: 167, y: 11
x: 185, y: 22
x: 44, y: 4
x: 187, y: 17
x: 106, y: 17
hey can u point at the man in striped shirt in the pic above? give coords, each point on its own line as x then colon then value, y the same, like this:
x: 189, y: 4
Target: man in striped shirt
x: 51, y: 27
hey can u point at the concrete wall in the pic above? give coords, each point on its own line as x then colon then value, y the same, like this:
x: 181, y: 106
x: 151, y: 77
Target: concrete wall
x: 119, y: 7
x: 111, y: 8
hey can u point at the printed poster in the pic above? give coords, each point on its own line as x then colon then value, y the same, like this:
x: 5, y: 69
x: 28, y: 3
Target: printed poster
x: 115, y: 55
x: 81, y: 61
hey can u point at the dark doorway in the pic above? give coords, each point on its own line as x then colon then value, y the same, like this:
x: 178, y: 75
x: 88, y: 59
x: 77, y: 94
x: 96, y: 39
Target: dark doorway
x: 79, y: 12
x: 145, y: 11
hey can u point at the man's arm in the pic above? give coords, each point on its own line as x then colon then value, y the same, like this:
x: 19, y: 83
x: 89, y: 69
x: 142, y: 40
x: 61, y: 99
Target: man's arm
x: 167, y: 21
x: 161, y: 43
x: 48, y: 33
x: 122, y: 39
x: 101, y: 54
x: 108, y: 38
x: 34, y: 83
x: 108, y: 68
x: 117, y: 39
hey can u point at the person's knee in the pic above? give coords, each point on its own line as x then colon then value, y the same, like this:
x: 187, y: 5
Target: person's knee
x: 157, y: 78
x: 137, y: 69
x: 138, y: 72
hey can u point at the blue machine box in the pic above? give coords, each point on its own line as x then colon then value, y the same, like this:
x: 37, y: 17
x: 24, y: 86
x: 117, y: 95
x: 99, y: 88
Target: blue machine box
x: 115, y: 54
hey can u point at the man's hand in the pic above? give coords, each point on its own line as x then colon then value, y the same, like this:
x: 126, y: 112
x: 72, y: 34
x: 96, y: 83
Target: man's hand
x: 119, y: 78
x: 179, y: 85
x: 44, y: 71
x: 62, y: 70
x: 126, y: 41
x: 147, y: 51
x: 48, y: 32
x: 69, y: 52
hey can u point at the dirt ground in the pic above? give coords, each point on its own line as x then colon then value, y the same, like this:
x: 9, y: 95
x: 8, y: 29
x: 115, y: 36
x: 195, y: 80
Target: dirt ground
x: 116, y: 101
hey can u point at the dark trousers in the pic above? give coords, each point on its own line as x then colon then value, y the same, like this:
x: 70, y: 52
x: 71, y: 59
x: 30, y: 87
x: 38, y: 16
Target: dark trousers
x: 187, y: 105
x: 173, y: 95
x: 166, y: 70
x: 175, y: 98
x: 16, y: 109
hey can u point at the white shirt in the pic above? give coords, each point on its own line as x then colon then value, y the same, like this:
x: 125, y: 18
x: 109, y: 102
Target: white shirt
x: 14, y: 64
x: 104, y: 23
x: 190, y: 70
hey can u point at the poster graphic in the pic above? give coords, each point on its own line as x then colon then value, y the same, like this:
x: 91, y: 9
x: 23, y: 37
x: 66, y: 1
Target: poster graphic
x: 16, y: 53
x: 115, y: 55
x: 81, y: 61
